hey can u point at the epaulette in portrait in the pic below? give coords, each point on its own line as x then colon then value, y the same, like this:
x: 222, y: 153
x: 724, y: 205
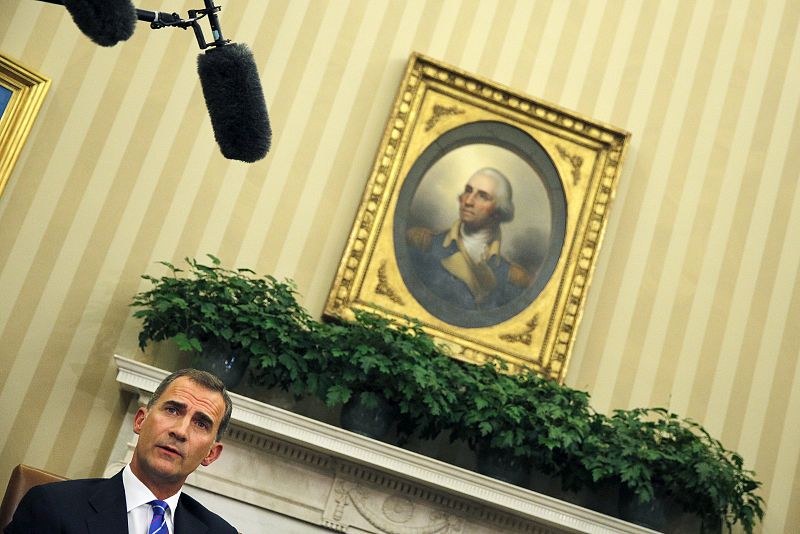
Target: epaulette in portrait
x: 420, y: 238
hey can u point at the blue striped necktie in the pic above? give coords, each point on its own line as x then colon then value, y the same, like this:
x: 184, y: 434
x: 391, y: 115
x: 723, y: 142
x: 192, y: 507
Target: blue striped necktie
x: 159, y: 522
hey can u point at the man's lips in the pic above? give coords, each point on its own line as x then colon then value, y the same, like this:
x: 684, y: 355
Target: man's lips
x: 170, y: 450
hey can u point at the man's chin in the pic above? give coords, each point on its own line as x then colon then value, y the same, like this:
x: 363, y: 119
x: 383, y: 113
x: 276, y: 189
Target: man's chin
x: 166, y: 466
x: 159, y: 471
x: 168, y: 473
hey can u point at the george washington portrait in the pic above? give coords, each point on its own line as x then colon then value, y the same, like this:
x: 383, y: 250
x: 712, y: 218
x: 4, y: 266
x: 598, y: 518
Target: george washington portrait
x: 479, y: 228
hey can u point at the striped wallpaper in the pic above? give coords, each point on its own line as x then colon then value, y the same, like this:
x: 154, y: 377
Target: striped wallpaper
x: 695, y: 303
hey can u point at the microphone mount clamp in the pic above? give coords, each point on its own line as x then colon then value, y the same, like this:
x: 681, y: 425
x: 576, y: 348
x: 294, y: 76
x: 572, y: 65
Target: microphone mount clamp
x: 160, y: 20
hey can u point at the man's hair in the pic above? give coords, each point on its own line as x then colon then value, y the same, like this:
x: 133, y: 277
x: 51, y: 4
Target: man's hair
x: 205, y: 379
x: 504, y: 211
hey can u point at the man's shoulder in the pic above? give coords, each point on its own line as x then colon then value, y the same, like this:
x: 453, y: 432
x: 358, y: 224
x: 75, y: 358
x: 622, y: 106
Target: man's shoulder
x: 48, y: 507
x: 212, y: 520
x: 68, y: 494
x: 69, y: 488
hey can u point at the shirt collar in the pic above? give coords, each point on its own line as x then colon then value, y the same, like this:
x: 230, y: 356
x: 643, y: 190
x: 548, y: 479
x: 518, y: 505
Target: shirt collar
x: 137, y: 494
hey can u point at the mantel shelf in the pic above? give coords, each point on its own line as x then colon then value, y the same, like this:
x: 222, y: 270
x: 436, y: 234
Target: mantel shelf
x: 533, y: 511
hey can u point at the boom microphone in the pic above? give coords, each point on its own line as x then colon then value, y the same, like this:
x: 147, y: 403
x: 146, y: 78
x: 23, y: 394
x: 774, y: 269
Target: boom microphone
x: 228, y: 73
x: 106, y: 22
x: 235, y: 102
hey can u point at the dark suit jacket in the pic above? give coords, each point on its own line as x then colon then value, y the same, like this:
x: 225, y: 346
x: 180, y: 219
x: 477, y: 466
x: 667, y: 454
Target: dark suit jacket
x: 97, y: 506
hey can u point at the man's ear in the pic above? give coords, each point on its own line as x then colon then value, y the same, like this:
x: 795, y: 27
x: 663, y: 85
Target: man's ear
x: 138, y: 419
x: 213, y: 454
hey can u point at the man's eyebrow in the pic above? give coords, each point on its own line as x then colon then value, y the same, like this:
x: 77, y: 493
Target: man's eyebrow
x: 205, y: 418
x: 175, y: 404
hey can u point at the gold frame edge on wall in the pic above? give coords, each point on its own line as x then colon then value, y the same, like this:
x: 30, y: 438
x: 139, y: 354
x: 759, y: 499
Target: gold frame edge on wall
x: 444, y: 119
x: 28, y: 90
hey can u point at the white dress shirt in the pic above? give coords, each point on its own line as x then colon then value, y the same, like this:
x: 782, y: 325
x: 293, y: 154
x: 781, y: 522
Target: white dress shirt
x: 137, y: 497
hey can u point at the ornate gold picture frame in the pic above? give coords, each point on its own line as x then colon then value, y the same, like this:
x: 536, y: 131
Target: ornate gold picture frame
x: 482, y: 219
x: 22, y: 92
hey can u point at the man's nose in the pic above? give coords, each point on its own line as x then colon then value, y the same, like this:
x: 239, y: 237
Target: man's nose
x: 180, y: 429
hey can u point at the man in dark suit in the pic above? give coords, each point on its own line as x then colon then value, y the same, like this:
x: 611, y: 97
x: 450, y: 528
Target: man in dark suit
x: 179, y: 430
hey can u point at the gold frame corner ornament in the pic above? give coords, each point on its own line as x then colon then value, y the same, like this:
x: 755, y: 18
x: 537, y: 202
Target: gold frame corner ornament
x: 28, y: 90
x: 441, y: 113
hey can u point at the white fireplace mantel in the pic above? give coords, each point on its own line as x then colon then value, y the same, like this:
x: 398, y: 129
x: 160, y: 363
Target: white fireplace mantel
x: 301, y: 468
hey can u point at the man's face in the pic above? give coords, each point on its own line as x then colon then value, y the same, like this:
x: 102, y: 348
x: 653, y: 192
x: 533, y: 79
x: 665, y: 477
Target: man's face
x: 477, y: 203
x: 177, y: 434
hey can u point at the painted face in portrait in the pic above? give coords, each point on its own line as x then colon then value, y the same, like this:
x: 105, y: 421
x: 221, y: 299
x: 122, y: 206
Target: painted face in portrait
x: 177, y: 435
x: 478, y: 202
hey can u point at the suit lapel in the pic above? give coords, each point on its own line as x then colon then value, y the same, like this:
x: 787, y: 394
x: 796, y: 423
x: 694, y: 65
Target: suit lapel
x: 111, y: 515
x: 185, y: 521
x: 109, y: 504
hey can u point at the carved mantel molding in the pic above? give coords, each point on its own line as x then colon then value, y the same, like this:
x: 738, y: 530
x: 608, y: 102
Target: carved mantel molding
x: 330, y: 477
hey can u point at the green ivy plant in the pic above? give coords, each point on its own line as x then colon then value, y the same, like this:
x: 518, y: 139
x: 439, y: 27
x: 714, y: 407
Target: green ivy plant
x: 202, y: 304
x: 374, y: 356
x: 529, y: 417
x: 656, y: 453
x: 699, y: 473
x: 557, y: 420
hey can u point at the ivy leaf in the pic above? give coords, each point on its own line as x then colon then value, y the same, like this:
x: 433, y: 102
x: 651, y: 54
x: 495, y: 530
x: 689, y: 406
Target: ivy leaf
x: 337, y: 394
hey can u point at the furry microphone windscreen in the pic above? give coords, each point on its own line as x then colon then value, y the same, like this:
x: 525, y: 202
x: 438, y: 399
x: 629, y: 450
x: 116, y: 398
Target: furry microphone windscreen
x: 235, y: 102
x: 105, y: 22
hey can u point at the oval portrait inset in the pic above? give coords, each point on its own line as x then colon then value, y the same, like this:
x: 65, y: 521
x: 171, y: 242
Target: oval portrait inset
x: 480, y: 224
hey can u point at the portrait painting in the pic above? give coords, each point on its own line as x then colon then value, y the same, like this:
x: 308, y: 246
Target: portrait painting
x: 22, y: 92
x: 481, y: 219
x: 469, y: 265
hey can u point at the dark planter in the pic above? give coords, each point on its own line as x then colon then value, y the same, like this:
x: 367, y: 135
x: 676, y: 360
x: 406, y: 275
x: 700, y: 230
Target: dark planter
x: 370, y: 421
x: 544, y: 483
x: 651, y: 514
x: 710, y: 526
x: 220, y: 360
x: 552, y: 486
x: 680, y: 522
x: 502, y: 465
x: 603, y: 497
